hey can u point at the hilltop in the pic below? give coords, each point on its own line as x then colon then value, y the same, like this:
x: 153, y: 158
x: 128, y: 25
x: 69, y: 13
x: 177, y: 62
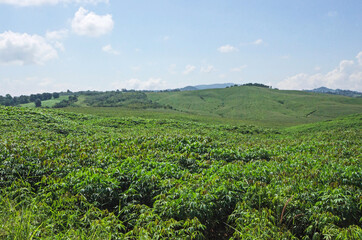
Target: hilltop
x: 347, y: 93
x: 207, y: 86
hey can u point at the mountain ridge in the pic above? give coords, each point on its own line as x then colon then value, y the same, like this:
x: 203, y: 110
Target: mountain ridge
x: 348, y: 93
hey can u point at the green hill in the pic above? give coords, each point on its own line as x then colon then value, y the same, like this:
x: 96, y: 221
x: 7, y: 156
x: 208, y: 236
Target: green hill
x: 263, y: 105
x: 246, y: 104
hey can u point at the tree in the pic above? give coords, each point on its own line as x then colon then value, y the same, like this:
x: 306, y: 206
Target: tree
x: 23, y: 99
x: 32, y: 97
x: 55, y: 95
x: 37, y: 102
x: 46, y: 96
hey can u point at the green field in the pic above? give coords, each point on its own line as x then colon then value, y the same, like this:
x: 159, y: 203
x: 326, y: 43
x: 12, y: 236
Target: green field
x: 47, y: 103
x: 261, y: 105
x: 166, y: 174
x: 242, y: 104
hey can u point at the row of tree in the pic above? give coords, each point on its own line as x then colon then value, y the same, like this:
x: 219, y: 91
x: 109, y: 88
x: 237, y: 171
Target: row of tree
x: 8, y: 100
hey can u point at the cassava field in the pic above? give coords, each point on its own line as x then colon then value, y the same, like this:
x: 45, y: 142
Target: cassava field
x: 139, y: 174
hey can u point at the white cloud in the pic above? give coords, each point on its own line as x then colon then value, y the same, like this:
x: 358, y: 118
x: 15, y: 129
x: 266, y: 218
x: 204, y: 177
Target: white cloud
x: 207, y: 69
x: 238, y: 69
x: 87, y: 23
x: 258, y: 41
x: 166, y: 38
x: 135, y: 83
x: 189, y: 69
x: 22, y: 48
x: 227, y: 48
x: 108, y: 49
x: 59, y: 46
x: 348, y: 75
x: 57, y: 35
x: 26, y: 3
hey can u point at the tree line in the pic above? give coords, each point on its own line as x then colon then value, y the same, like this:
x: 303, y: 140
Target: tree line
x: 8, y: 100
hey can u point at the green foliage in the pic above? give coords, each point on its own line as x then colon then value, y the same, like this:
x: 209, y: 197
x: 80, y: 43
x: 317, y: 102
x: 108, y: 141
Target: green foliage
x: 260, y: 104
x: 134, y: 100
x: 66, y: 103
x: 75, y: 176
x: 38, y: 103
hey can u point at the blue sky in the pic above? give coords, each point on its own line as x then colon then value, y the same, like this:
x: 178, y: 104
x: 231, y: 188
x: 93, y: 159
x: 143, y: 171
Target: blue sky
x: 55, y: 45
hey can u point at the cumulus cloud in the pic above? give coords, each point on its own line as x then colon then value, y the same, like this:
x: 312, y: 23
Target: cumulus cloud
x: 189, y: 69
x: 227, y: 49
x: 238, y: 69
x: 54, y: 37
x: 207, y: 69
x: 348, y: 75
x: 26, y: 3
x: 87, y: 23
x: 108, y: 49
x: 135, y: 83
x: 22, y: 48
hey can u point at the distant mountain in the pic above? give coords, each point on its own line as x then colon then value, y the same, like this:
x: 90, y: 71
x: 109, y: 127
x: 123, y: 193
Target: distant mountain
x: 188, y: 88
x: 347, y: 93
x: 207, y: 86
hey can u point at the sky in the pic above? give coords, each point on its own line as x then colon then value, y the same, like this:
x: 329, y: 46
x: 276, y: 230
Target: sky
x: 56, y: 45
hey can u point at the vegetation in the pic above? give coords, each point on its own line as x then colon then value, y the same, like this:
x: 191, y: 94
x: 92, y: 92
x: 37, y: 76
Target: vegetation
x: 37, y: 103
x: 250, y: 103
x: 66, y: 103
x: 134, y: 100
x: 260, y: 104
x: 8, y: 100
x: 75, y: 176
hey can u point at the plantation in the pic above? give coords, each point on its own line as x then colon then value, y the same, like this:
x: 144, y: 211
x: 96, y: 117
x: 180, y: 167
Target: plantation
x: 67, y: 175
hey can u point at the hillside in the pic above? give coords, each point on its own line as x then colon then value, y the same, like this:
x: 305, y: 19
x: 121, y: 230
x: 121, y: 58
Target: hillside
x: 247, y: 104
x: 262, y: 105
x: 207, y: 86
x: 75, y: 176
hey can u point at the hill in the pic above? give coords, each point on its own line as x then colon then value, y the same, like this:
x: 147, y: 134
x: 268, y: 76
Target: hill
x: 262, y: 105
x: 207, y: 86
x: 347, y: 93
x: 76, y: 176
x: 252, y: 104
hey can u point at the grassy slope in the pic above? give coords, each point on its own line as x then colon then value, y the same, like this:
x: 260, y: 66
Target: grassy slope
x: 154, y: 114
x: 46, y: 103
x: 262, y: 105
x: 236, y: 105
